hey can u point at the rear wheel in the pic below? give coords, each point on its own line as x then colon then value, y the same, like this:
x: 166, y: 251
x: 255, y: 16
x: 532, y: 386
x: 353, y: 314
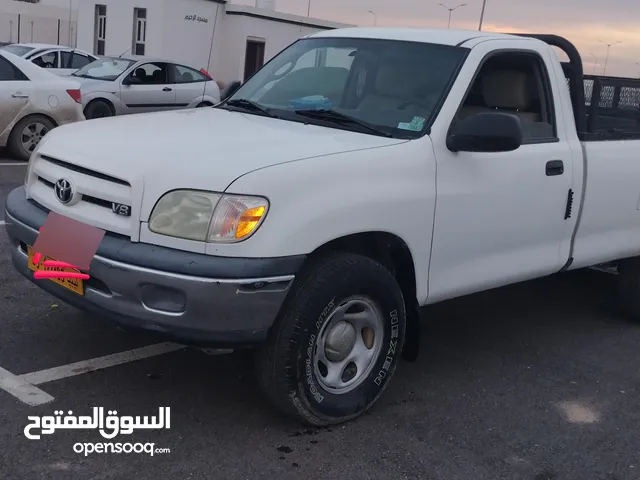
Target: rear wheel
x: 98, y: 109
x: 204, y: 104
x: 336, y: 342
x: 26, y: 135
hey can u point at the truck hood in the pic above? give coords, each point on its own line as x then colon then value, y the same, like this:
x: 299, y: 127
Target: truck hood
x: 205, y: 148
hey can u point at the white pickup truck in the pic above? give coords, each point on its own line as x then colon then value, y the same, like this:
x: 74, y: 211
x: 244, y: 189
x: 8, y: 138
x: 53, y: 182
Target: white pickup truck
x: 359, y: 175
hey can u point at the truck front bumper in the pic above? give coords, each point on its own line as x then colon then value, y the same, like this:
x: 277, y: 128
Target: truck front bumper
x: 187, y: 297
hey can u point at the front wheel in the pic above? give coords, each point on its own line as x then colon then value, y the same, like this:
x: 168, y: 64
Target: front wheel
x: 98, y: 109
x: 336, y: 342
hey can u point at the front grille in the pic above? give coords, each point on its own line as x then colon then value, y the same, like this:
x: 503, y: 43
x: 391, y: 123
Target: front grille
x: 85, y: 198
x: 85, y: 171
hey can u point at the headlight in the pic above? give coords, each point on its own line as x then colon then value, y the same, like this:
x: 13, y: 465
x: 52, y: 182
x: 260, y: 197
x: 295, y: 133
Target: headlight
x: 207, y: 216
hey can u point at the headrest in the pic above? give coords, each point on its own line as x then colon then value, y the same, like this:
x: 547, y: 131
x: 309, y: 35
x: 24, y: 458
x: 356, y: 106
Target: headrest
x: 401, y: 79
x: 506, y: 89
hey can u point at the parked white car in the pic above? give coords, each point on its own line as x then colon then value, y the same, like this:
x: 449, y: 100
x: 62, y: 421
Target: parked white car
x: 359, y: 175
x: 55, y: 58
x: 33, y: 102
x: 136, y: 84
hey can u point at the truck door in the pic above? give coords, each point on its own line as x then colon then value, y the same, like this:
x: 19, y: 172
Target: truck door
x: 500, y: 217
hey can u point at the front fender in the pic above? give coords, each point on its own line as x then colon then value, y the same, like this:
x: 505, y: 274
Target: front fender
x: 314, y: 201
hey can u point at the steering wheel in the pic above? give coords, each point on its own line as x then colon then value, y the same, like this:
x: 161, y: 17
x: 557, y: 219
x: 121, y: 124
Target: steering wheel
x: 426, y: 105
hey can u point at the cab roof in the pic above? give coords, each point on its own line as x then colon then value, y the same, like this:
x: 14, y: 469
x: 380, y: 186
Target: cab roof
x: 425, y: 35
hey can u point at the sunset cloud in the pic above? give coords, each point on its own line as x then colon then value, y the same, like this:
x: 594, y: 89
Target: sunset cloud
x: 584, y: 22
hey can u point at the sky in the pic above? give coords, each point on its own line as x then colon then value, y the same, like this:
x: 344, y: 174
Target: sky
x: 583, y: 22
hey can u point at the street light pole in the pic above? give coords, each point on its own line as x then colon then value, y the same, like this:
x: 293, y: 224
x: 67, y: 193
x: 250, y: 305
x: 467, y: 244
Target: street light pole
x: 606, y: 59
x: 451, y: 11
x: 69, y: 44
x: 484, y: 4
x: 375, y: 17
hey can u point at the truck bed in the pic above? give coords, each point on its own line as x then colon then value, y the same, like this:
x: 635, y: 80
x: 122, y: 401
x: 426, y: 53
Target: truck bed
x: 612, y: 108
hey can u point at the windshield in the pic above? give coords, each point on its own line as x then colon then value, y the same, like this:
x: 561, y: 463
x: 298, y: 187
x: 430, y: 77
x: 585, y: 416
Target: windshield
x: 395, y: 87
x: 19, y: 50
x: 104, y: 69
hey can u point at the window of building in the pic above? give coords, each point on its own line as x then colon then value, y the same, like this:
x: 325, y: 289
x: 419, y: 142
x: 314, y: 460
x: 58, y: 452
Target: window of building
x: 254, y: 57
x: 139, y: 31
x: 100, y: 30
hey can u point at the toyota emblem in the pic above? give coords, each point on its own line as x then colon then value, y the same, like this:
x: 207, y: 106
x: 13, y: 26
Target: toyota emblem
x: 64, y: 190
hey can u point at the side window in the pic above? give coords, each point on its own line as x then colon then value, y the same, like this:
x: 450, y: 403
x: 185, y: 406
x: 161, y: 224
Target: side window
x: 151, y: 74
x: 8, y: 72
x: 65, y: 59
x: 182, y: 74
x: 517, y: 84
x: 47, y: 60
x: 79, y: 60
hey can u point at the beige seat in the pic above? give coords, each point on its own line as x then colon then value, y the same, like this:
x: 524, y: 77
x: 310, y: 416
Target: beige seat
x: 505, y: 91
x: 398, y: 86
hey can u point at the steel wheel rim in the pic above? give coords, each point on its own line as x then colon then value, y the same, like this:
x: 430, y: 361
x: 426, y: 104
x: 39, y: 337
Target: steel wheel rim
x: 31, y: 135
x: 345, y: 353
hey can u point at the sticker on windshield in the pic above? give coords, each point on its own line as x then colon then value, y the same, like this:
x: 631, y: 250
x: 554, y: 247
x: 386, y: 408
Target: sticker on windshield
x: 416, y: 125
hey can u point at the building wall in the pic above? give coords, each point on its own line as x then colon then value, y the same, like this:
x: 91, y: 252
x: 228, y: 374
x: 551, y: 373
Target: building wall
x: 276, y: 29
x: 182, y: 31
x: 188, y: 29
x: 50, y: 23
x: 120, y: 25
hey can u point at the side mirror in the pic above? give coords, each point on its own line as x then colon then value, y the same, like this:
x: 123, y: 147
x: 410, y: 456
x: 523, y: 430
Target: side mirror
x: 486, y: 132
x: 230, y: 90
x: 132, y: 81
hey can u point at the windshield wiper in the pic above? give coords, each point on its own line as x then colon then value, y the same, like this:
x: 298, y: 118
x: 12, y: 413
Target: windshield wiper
x: 250, y: 105
x: 340, y: 118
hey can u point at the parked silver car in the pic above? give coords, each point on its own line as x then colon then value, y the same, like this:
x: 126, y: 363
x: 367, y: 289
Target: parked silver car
x: 134, y: 84
x: 57, y: 59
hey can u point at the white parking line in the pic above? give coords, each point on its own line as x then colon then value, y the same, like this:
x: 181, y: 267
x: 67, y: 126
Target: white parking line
x: 13, y: 164
x: 86, y: 366
x: 22, y: 390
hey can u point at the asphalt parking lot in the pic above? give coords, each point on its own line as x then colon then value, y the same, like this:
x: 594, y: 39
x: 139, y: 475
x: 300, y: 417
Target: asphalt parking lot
x: 536, y: 381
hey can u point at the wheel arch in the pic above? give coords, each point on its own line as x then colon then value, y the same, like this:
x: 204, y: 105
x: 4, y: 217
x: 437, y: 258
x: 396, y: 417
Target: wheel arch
x: 103, y: 100
x: 393, y: 253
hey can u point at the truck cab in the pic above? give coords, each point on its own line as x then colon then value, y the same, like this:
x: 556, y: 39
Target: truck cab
x: 359, y: 175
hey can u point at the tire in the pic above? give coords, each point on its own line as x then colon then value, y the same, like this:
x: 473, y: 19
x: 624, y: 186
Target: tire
x: 204, y: 104
x: 98, y: 109
x: 290, y: 365
x: 628, y: 289
x: 26, y: 135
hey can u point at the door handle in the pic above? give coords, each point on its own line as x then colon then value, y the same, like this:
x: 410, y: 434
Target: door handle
x: 554, y: 167
x: 20, y: 95
x: 166, y: 89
